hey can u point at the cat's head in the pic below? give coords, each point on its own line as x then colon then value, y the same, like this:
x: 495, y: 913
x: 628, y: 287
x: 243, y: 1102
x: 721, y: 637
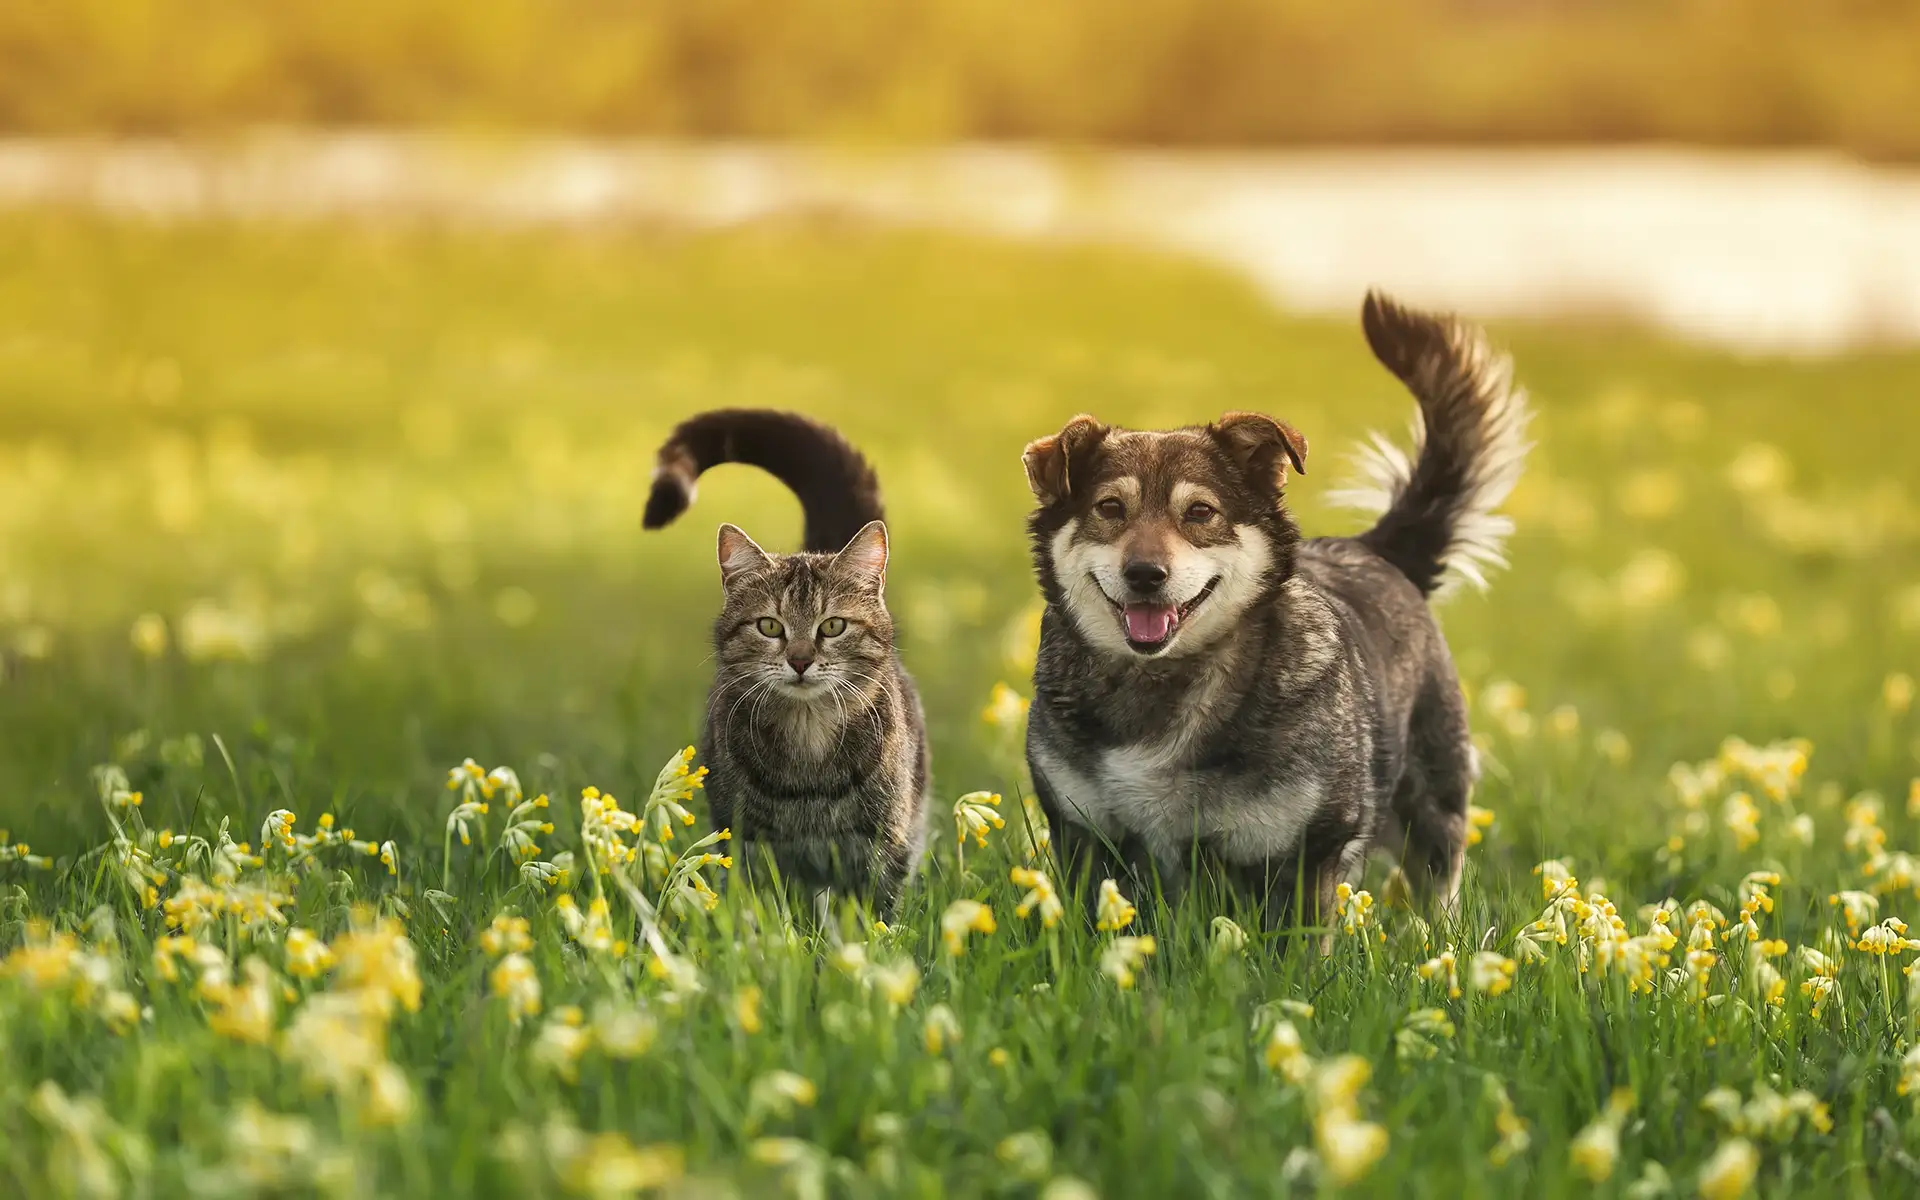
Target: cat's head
x: 805, y: 627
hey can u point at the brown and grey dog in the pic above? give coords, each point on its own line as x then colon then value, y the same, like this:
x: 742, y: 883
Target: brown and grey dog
x: 1213, y: 691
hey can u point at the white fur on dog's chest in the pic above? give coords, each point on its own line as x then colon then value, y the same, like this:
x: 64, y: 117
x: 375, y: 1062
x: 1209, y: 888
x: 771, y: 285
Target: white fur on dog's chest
x: 1137, y: 790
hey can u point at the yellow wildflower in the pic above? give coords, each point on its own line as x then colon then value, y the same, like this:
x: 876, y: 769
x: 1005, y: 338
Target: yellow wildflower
x: 507, y: 935
x: 1444, y: 967
x: 1490, y: 972
x: 1286, y: 1054
x: 1040, y: 895
x: 514, y: 981
x: 307, y: 955
x: 962, y: 918
x: 1596, y: 1149
x: 977, y: 813
x: 939, y: 1028
x: 1729, y: 1173
x: 1123, y: 957
x: 1114, y: 911
x: 1005, y: 708
x: 746, y: 1010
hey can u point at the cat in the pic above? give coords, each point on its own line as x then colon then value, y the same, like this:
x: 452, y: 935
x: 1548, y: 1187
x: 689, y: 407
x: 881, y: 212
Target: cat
x: 814, y: 737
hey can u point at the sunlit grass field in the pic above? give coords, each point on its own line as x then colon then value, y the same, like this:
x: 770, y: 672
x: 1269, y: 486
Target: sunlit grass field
x: 295, y: 520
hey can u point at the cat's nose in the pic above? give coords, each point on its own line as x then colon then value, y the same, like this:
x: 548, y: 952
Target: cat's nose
x: 799, y: 664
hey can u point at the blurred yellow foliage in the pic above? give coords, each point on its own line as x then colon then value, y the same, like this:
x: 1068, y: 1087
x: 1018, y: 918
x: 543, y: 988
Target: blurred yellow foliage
x: 1167, y: 71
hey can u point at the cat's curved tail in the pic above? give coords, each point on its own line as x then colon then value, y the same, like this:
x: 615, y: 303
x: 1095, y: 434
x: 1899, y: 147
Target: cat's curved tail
x: 837, y: 489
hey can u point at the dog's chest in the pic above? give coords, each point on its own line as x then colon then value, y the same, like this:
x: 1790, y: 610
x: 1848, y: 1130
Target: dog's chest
x: 1146, y: 792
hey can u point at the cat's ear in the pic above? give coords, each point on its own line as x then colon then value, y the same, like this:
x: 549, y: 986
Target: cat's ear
x: 739, y: 553
x: 865, y: 558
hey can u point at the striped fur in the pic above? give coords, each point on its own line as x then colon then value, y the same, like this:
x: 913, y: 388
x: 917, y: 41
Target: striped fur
x: 814, y: 737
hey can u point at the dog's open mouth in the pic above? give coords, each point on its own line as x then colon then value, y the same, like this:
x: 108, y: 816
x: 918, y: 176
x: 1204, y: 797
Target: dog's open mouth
x: 1149, y: 627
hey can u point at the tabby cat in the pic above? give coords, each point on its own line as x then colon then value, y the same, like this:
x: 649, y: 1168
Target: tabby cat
x: 814, y: 737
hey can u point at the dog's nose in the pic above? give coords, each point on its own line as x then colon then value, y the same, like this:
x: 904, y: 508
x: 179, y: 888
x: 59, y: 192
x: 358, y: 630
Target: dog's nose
x: 1144, y: 576
x: 800, y: 665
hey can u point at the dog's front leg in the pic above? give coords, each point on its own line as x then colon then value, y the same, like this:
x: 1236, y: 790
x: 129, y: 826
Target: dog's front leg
x: 1083, y: 857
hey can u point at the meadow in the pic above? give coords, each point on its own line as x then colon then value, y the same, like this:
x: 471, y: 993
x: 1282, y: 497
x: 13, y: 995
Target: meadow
x: 297, y: 521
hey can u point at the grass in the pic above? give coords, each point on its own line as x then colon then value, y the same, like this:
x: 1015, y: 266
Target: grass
x: 298, y: 518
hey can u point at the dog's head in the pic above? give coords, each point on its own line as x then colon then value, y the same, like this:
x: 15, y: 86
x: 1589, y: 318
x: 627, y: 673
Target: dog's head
x: 1156, y: 542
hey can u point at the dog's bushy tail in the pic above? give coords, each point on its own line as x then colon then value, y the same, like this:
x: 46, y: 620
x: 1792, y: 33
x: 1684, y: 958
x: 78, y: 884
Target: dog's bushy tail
x: 837, y: 489
x: 1439, y: 521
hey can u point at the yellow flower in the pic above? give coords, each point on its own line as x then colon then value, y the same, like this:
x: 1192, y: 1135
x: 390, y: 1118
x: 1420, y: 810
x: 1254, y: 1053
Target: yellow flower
x: 1742, y: 818
x: 1897, y: 692
x: 1029, y: 1155
x: 307, y: 955
x: 1479, y: 820
x: 149, y: 635
x: 1114, y: 911
x: 939, y: 1028
x: 245, y: 1011
x: 1124, y: 956
x: 1349, y: 1148
x: 1006, y: 708
x: 778, y: 1093
x: 1913, y: 799
x: 1888, y: 937
x: 1729, y: 1173
x: 896, y: 982
x: 515, y: 982
x: 1286, y: 1054
x: 622, y: 1031
x: 746, y: 1010
x: 1596, y: 1149
x: 1040, y: 895
x: 1490, y: 972
x: 1337, y: 1082
x: 1446, y: 968
x: 1909, y: 1072
x: 1411, y: 1040
x: 1514, y: 1137
x: 998, y: 1056
x: 1555, y: 878
x: 1228, y: 939
x: 610, y: 1165
x: 962, y: 918
x: 1613, y: 746
x: 977, y: 813
x: 376, y: 958
x: 507, y: 935
x: 1859, y: 909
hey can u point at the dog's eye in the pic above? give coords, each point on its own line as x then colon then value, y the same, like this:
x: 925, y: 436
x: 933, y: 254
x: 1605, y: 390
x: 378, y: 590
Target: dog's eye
x: 833, y: 627
x: 1111, y: 509
x: 769, y: 627
x: 1200, y: 514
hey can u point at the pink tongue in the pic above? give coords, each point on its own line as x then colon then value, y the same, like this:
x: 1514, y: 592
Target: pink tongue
x: 1151, y: 623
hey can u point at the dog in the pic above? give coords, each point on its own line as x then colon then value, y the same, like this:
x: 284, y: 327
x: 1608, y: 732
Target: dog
x: 1216, y: 695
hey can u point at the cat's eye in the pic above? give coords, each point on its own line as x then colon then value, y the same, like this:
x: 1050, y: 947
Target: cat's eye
x: 1200, y: 514
x: 1111, y: 509
x: 769, y: 627
x: 833, y: 627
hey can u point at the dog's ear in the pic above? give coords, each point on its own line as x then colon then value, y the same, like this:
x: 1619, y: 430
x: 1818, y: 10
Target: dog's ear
x: 1261, y: 445
x: 1051, y: 462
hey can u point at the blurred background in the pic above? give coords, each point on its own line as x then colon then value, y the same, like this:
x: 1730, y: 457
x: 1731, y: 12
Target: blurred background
x: 336, y: 338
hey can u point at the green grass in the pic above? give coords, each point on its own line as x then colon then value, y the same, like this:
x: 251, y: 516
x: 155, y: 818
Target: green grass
x: 381, y: 487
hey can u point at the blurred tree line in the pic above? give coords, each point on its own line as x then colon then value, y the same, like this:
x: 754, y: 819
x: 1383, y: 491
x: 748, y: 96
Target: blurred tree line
x: 1193, y: 72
